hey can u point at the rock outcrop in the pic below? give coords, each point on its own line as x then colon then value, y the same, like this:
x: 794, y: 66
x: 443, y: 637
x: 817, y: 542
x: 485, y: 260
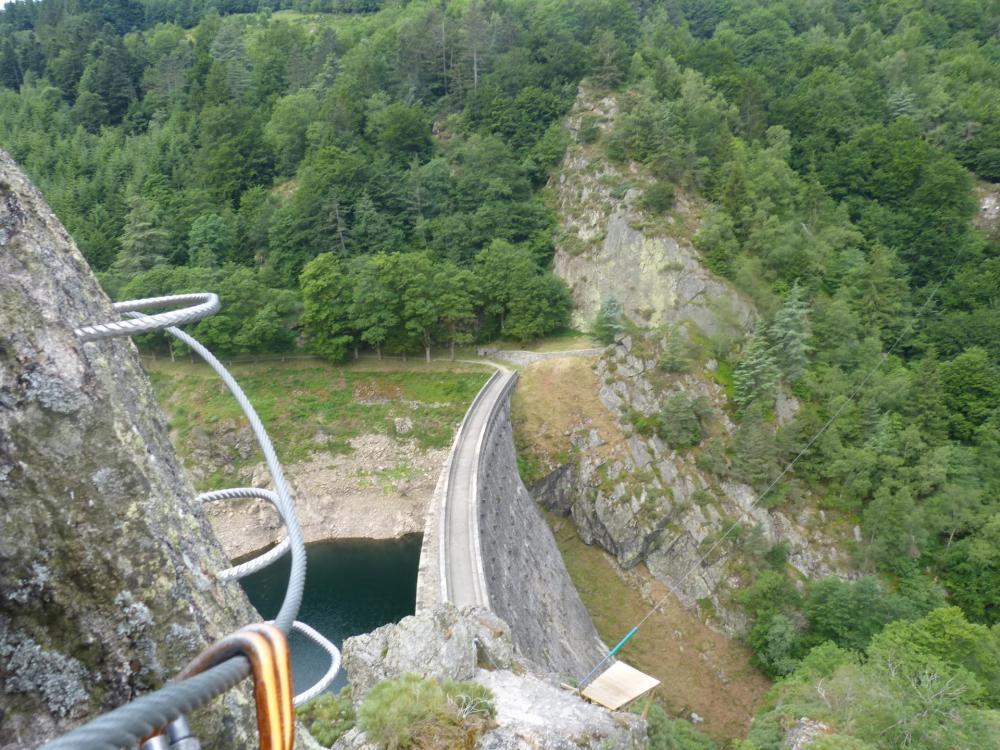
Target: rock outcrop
x: 644, y: 501
x: 608, y: 248
x: 474, y: 644
x: 106, y: 585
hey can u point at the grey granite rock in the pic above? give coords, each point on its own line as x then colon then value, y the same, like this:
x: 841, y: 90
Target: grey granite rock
x: 106, y: 585
x: 532, y: 713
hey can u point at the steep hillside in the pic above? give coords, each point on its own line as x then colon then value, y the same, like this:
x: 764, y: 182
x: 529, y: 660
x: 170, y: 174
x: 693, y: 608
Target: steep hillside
x: 612, y: 244
x: 640, y: 464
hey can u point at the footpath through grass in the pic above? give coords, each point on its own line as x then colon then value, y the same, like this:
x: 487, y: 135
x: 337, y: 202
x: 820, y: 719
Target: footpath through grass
x: 308, y: 405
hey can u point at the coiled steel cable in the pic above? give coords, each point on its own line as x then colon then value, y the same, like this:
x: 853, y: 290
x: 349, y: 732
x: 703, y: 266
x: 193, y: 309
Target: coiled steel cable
x: 125, y: 726
x: 331, y: 673
x: 206, y: 304
x: 260, y: 562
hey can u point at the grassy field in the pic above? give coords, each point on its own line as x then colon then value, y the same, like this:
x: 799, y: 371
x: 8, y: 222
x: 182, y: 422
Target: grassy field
x: 309, y: 405
x: 557, y: 342
x: 700, y: 670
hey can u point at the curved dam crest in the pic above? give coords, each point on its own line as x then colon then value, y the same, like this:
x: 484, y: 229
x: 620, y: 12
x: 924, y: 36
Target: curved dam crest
x: 484, y: 520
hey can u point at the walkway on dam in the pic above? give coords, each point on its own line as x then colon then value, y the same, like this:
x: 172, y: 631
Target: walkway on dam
x: 461, y: 559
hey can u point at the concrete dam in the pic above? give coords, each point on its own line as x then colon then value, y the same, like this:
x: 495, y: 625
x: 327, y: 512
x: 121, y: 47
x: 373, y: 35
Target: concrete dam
x: 487, y: 544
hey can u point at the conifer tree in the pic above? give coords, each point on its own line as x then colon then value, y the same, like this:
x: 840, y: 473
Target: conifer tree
x: 608, y: 323
x: 756, y: 376
x: 144, y: 241
x: 789, y: 333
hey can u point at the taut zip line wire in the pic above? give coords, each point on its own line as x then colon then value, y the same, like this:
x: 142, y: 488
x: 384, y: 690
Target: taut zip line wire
x: 812, y: 441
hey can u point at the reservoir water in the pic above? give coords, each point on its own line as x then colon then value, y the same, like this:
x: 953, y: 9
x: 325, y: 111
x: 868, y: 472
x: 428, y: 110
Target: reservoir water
x: 352, y: 586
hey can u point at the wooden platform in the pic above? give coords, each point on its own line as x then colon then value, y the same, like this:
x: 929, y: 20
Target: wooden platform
x: 619, y: 684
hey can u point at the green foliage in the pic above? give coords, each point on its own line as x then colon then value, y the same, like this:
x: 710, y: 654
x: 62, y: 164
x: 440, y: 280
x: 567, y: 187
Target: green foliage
x: 673, y: 734
x: 411, y: 711
x: 658, y: 198
x: 524, y: 302
x: 756, y: 376
x: 198, y: 136
x: 677, y: 352
x: 327, y: 298
x: 681, y: 420
x: 328, y: 716
x: 972, y: 573
x: 789, y: 336
x: 589, y: 130
x: 608, y: 323
x: 923, y: 684
x: 971, y: 384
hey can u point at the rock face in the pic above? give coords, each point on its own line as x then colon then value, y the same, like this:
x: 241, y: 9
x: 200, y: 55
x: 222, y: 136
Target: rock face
x: 609, y: 248
x: 106, y: 585
x: 442, y: 642
x: 529, y: 586
x: 643, y: 501
x: 473, y: 643
x: 988, y: 217
x: 532, y: 713
x: 804, y: 734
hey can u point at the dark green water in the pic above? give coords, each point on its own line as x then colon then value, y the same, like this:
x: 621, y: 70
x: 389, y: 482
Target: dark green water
x: 352, y: 587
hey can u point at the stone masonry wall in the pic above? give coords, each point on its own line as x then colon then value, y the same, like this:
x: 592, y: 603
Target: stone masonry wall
x: 529, y: 586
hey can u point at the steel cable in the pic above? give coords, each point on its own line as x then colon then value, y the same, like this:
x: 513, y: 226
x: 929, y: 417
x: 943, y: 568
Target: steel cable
x: 125, y: 726
x: 260, y: 562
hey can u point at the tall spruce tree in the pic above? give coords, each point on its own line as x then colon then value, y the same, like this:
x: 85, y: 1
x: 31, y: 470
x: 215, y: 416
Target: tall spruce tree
x: 756, y: 376
x: 789, y: 335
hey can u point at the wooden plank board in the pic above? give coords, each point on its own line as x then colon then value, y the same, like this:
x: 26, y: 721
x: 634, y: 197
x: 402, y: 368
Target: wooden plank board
x: 619, y: 684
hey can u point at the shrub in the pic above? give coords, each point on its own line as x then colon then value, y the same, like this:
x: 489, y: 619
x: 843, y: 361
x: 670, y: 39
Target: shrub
x: 680, y: 422
x: 988, y: 164
x: 658, y: 198
x: 411, y: 711
x: 589, y: 131
x: 328, y: 716
x: 674, y: 734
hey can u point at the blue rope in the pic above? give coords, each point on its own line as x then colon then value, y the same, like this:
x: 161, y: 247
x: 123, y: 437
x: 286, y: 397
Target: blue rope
x: 611, y: 653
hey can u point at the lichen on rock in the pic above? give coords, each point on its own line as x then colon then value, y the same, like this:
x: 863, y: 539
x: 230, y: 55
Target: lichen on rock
x: 106, y: 562
x: 447, y: 643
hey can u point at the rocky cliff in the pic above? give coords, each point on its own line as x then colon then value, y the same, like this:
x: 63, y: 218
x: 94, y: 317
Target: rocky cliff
x: 608, y: 247
x: 474, y: 644
x: 640, y: 499
x: 106, y: 585
x: 628, y: 489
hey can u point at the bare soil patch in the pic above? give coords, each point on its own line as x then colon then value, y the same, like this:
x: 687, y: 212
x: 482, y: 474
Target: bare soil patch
x: 380, y: 490
x: 555, y: 398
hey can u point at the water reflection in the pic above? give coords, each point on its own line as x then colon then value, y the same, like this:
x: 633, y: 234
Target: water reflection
x: 352, y: 587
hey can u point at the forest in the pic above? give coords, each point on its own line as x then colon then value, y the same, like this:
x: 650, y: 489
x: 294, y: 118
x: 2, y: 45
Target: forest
x: 358, y: 174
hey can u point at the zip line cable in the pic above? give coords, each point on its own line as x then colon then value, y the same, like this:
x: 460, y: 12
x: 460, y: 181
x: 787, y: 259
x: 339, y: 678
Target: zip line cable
x: 812, y: 441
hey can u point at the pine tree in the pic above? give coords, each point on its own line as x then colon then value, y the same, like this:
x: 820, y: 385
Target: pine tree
x: 788, y: 334
x: 926, y: 404
x: 144, y: 241
x: 756, y: 376
x: 608, y: 323
x: 371, y: 231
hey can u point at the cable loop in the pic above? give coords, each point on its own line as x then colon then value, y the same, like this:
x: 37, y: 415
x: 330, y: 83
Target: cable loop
x: 199, y: 305
x: 127, y: 725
